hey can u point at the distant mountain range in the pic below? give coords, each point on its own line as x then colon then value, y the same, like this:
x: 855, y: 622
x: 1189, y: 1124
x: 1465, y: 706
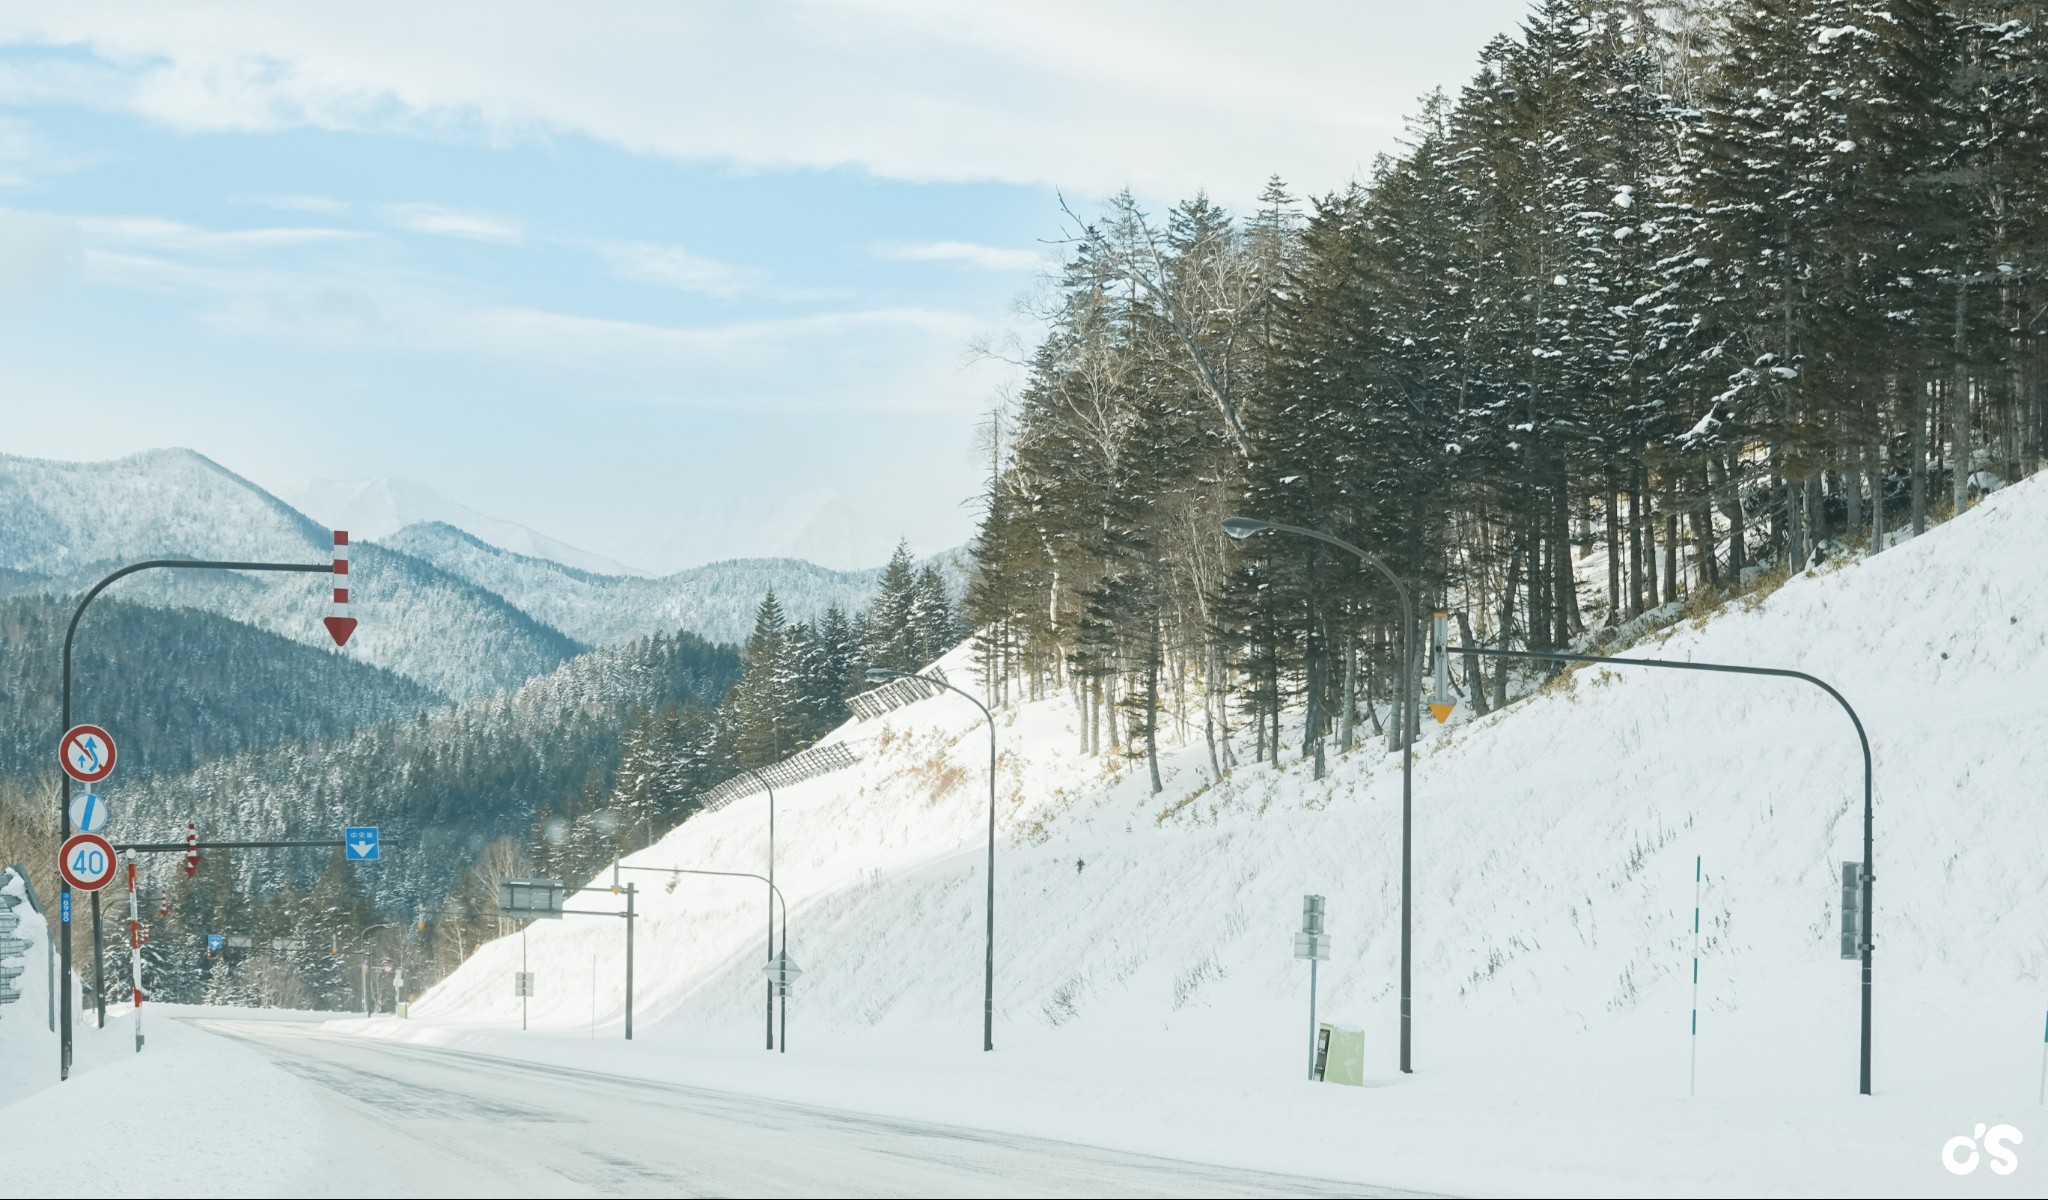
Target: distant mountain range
x: 440, y: 606
x: 374, y: 509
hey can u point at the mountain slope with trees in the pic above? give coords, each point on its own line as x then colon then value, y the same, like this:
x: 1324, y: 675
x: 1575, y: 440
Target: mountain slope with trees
x: 1694, y: 292
x: 177, y: 687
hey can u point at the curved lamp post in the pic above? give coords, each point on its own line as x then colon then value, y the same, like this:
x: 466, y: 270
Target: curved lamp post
x: 364, y: 938
x: 770, y: 789
x: 774, y: 898
x: 1244, y: 527
x: 988, y: 990
x: 64, y: 781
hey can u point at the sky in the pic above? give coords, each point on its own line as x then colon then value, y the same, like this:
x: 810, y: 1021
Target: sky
x: 668, y: 282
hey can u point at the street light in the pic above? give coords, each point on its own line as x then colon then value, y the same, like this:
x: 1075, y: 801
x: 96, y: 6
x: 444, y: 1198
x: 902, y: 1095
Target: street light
x: 988, y: 987
x: 1244, y: 527
x: 364, y: 937
x: 770, y: 789
x: 340, y: 635
x: 774, y: 897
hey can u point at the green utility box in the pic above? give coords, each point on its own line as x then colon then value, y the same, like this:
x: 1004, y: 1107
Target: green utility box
x: 1340, y: 1054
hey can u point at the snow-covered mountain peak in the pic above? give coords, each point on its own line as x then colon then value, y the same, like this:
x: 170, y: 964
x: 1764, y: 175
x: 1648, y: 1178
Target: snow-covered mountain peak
x: 378, y: 508
x: 58, y: 516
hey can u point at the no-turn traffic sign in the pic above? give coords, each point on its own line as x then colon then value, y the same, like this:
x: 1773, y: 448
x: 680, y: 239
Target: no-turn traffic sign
x: 86, y: 862
x: 87, y: 752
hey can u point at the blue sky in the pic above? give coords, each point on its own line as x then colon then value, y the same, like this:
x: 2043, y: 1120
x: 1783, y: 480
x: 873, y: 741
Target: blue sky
x: 669, y: 282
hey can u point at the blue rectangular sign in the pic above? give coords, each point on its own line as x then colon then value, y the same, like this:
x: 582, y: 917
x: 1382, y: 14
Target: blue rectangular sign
x: 64, y: 906
x: 359, y: 843
x: 214, y: 940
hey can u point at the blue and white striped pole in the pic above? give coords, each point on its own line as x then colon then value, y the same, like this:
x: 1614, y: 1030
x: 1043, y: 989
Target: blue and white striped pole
x: 1693, y: 1077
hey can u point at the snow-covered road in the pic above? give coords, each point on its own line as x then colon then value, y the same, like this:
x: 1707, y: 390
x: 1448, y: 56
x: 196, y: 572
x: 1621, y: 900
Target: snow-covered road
x: 450, y: 1122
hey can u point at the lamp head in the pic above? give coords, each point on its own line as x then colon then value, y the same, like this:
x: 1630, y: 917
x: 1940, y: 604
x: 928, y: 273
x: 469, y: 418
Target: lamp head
x: 1243, y: 527
x: 880, y: 674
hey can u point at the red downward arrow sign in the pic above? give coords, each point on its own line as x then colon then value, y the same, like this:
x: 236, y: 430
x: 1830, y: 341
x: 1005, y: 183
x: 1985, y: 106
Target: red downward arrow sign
x: 339, y: 628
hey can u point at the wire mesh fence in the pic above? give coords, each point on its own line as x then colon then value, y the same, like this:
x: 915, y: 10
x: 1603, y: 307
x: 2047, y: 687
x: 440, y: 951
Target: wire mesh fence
x: 818, y: 760
x: 902, y: 690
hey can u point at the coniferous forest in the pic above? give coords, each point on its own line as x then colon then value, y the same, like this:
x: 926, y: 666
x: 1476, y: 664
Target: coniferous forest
x: 1666, y: 301
x: 597, y: 758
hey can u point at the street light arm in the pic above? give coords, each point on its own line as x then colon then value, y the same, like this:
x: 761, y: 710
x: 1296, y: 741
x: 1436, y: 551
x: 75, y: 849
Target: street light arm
x: 988, y: 993
x: 64, y: 785
x: 1869, y: 805
x: 71, y: 632
x: 779, y: 898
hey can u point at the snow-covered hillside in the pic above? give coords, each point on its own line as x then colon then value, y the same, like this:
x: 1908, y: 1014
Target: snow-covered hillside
x: 715, y: 602
x: 1555, y: 844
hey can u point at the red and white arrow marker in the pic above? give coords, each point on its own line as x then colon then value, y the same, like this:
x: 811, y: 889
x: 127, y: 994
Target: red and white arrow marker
x: 340, y: 625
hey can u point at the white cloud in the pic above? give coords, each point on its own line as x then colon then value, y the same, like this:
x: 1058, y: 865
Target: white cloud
x: 318, y: 289
x: 298, y: 203
x: 988, y: 258
x: 38, y: 254
x: 673, y: 266
x: 158, y: 234
x: 453, y: 222
x: 1165, y: 95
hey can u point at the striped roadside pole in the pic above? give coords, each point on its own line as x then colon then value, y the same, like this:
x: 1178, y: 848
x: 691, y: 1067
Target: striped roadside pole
x: 1693, y: 1077
x: 191, y: 849
x: 135, y: 948
x: 339, y: 623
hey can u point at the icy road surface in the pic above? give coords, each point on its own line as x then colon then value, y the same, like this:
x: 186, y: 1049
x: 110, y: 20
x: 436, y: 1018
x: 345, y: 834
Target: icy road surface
x: 460, y: 1123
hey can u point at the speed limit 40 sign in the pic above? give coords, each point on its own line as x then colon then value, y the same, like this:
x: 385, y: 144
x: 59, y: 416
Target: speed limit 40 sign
x: 86, y: 862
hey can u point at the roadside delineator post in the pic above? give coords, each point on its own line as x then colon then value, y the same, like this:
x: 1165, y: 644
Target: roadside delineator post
x: 340, y: 624
x: 135, y: 949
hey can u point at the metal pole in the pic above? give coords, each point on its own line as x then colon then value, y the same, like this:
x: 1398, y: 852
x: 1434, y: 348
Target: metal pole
x: 1312, y: 1019
x: 988, y: 978
x: 1406, y: 725
x: 1692, y: 1078
x: 1869, y: 812
x: 64, y: 779
x: 525, y: 988
x: 630, y: 891
x: 99, y: 966
x: 135, y: 950
x: 783, y: 978
x: 769, y: 999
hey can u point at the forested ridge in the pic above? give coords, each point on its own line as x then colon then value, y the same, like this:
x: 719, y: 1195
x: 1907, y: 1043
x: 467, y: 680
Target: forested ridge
x: 1690, y: 294
x: 180, y: 685
x: 595, y: 759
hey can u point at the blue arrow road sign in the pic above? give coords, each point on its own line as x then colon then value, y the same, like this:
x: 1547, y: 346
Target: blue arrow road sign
x: 214, y: 941
x: 360, y: 841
